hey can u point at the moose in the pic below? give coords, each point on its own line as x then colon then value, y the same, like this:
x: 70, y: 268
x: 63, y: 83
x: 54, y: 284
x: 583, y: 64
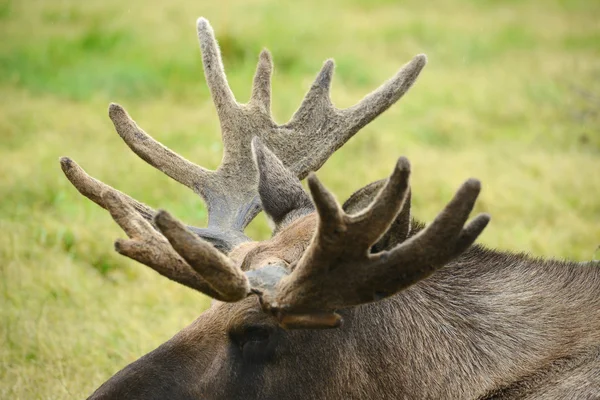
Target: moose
x: 358, y: 301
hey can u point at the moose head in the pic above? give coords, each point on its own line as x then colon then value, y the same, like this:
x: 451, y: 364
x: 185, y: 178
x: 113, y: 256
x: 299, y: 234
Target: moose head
x: 322, y: 309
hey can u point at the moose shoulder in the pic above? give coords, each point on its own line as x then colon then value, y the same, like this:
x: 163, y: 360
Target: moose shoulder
x: 342, y: 302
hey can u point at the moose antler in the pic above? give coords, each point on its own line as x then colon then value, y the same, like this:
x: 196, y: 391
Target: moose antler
x: 338, y: 270
x: 303, y: 144
x: 340, y: 250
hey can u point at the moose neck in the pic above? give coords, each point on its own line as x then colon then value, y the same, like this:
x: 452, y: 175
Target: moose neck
x: 487, y: 320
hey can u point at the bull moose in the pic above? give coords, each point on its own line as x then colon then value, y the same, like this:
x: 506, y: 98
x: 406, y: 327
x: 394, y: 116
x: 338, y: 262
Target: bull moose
x: 359, y: 301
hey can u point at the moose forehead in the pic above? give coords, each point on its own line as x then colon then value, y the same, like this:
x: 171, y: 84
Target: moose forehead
x: 287, y: 245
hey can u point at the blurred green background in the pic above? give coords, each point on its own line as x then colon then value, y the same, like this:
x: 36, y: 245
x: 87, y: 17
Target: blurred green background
x: 511, y: 95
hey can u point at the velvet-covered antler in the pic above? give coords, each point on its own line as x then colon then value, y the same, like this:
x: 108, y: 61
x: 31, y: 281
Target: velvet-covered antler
x: 315, y: 131
x: 340, y: 250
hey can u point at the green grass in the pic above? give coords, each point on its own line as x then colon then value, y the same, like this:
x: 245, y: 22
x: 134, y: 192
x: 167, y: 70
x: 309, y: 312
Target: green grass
x: 511, y: 95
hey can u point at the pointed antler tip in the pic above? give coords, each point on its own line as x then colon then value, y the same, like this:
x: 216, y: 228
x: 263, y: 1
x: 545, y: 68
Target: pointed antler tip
x: 473, y: 184
x: 314, y: 185
x: 324, y: 78
x: 161, y: 217
x: 256, y: 141
x: 165, y: 221
x: 401, y: 173
x: 323, y: 199
x: 403, y: 164
x: 414, y: 66
x: 472, y: 230
x: 421, y: 59
x: 205, y: 30
x: 265, y: 55
x: 257, y: 148
x: 118, y: 245
x: 202, y: 24
x: 65, y: 162
x: 115, y: 109
x: 69, y: 167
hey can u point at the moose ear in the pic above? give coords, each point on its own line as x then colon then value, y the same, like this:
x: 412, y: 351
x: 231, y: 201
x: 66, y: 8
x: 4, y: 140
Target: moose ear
x: 281, y: 194
x: 400, y: 229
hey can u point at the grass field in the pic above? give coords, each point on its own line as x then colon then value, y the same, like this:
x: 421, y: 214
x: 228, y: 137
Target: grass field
x: 511, y: 95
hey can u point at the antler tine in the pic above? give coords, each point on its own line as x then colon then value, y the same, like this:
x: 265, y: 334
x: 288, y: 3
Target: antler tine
x: 213, y: 70
x: 217, y: 269
x: 383, y: 97
x: 470, y: 232
x: 400, y: 228
x: 93, y: 189
x: 330, y: 212
x: 154, y: 153
x: 261, y: 88
x: 376, y: 219
x: 317, y: 101
x: 149, y: 247
x: 281, y: 193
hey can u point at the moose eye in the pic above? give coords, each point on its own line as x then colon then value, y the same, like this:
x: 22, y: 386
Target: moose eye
x: 256, y: 342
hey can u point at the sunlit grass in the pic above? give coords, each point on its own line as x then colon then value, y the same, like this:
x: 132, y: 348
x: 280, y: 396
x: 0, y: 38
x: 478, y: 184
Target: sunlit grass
x: 511, y: 95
